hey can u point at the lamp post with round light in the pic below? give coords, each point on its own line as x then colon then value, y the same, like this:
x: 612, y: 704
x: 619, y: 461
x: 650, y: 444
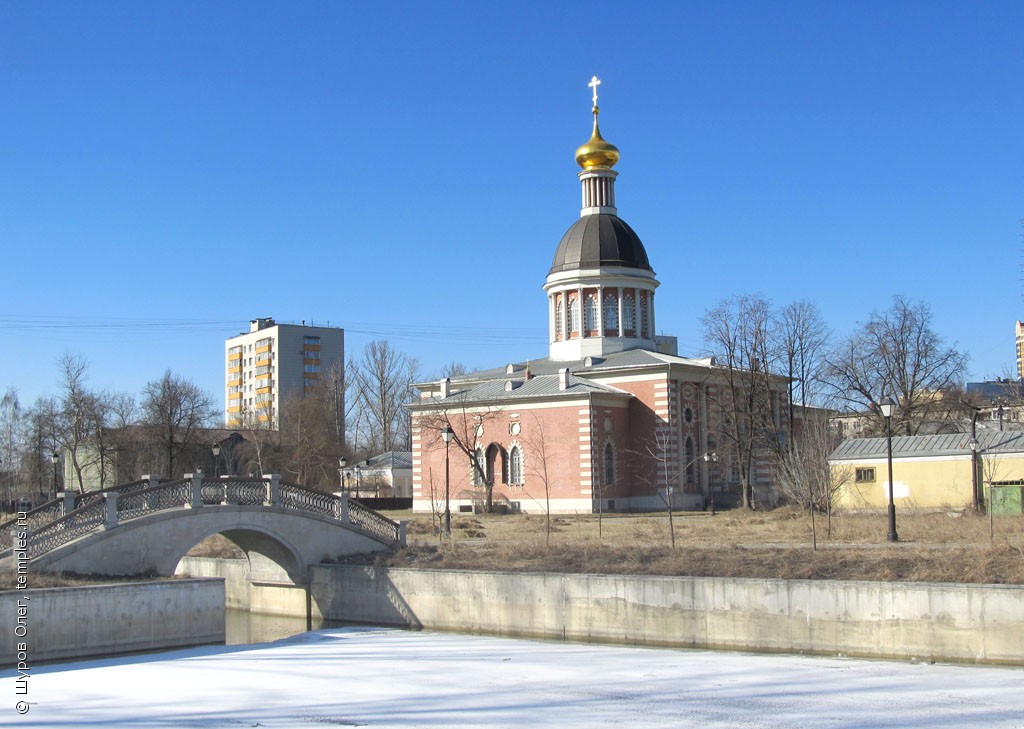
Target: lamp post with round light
x: 56, y: 460
x: 973, y: 445
x: 711, y: 458
x: 886, y: 408
x: 446, y: 435
x: 341, y: 473
x: 216, y: 460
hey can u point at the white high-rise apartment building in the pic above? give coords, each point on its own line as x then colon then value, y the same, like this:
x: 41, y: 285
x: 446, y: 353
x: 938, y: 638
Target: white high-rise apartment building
x: 273, y: 362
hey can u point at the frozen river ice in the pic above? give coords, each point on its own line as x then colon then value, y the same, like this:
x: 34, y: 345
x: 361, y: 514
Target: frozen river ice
x: 376, y: 677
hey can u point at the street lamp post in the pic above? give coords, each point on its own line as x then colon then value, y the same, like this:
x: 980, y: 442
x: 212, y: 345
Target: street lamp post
x: 711, y: 458
x: 359, y: 480
x: 341, y: 473
x: 446, y: 435
x: 887, y: 409
x: 216, y: 460
x: 973, y: 445
x: 55, y: 459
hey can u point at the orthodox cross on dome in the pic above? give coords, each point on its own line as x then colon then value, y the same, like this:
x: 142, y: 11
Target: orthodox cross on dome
x: 594, y: 83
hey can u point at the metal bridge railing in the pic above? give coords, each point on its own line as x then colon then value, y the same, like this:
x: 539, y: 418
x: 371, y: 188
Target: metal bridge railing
x: 61, y: 521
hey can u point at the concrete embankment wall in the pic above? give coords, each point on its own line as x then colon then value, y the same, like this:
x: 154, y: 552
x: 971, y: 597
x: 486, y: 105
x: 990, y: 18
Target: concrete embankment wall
x: 983, y: 623
x: 63, y: 623
x: 242, y: 591
x: 950, y: 622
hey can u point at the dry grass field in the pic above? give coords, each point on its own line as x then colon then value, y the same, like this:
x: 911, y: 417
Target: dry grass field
x: 933, y: 547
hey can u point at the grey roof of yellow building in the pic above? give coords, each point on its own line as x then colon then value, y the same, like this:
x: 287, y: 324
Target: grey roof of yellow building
x: 924, y: 446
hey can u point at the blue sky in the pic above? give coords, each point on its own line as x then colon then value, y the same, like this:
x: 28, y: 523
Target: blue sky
x: 405, y: 170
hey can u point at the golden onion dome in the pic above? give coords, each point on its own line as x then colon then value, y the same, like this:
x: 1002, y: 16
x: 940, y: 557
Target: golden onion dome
x: 596, y: 152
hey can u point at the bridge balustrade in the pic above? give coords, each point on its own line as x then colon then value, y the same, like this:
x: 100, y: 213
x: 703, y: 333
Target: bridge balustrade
x: 373, y: 523
x: 66, y: 529
x: 52, y: 525
x: 173, y: 495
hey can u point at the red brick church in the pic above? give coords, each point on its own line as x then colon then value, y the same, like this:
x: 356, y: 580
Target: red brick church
x: 611, y: 420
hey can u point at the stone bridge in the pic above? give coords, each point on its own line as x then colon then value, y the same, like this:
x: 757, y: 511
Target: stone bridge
x: 146, y: 527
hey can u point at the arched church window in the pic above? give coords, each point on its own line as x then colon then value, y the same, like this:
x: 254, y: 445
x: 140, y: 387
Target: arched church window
x: 478, y: 466
x: 574, y: 314
x: 628, y: 314
x: 645, y: 319
x: 515, y: 466
x: 497, y: 464
x: 590, y: 314
x: 609, y: 465
x: 611, y: 313
x: 691, y: 463
x: 559, y: 317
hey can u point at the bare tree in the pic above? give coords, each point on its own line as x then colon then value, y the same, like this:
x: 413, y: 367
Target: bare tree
x: 11, y: 444
x: 802, y: 339
x: 309, y: 433
x: 383, y: 379
x: 262, y: 445
x: 738, y: 333
x: 333, y: 388
x: 467, y: 421
x: 37, y: 443
x: 174, y: 410
x: 654, y: 464
x: 78, y: 418
x: 804, y: 475
x: 453, y: 369
x: 897, y: 354
x: 540, y: 451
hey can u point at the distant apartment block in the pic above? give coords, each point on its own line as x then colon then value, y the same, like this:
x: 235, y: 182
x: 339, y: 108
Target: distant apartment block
x: 273, y: 362
x: 1020, y: 350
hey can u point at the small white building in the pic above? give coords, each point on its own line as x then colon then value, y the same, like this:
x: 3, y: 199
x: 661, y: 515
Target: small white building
x: 388, y: 475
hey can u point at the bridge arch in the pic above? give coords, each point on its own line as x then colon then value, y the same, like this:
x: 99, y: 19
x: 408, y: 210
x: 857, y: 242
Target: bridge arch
x: 269, y: 555
x: 142, y: 528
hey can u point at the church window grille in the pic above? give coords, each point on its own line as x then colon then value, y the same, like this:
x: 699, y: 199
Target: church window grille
x: 515, y: 466
x: 611, y: 314
x: 590, y: 314
x: 644, y: 318
x: 628, y: 314
x: 574, y: 315
x: 559, y: 317
x: 691, y: 464
x: 477, y: 465
x: 609, y: 465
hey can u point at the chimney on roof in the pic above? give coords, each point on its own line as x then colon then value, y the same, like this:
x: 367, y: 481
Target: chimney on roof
x: 446, y: 387
x: 563, y: 378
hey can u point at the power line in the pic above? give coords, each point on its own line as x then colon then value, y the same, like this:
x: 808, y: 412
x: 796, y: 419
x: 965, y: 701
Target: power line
x: 413, y: 332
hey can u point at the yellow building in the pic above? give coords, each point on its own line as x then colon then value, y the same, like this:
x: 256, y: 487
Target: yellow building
x: 928, y: 471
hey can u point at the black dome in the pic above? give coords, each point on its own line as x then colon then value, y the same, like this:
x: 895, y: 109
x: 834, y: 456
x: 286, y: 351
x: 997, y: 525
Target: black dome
x: 599, y: 240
